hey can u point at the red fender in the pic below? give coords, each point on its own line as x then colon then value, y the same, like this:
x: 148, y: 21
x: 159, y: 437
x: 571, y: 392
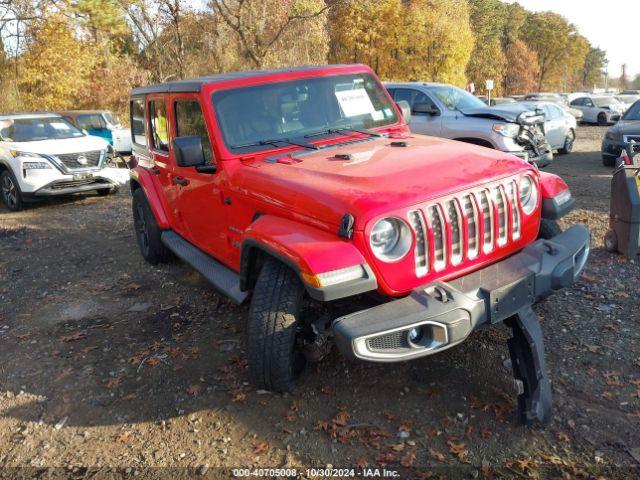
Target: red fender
x: 551, y: 185
x: 306, y: 249
x: 145, y: 180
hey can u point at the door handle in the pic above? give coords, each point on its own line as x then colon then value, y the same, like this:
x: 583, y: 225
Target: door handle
x: 155, y: 170
x: 180, y: 181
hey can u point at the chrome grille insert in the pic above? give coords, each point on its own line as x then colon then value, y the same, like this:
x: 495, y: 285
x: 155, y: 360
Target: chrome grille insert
x: 487, y: 221
x: 515, y: 210
x: 471, y: 211
x: 455, y: 221
x: 421, y: 252
x: 438, y: 227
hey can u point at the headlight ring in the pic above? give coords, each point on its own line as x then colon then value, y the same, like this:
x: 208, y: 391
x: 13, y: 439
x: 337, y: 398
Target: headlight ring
x: 528, y: 194
x: 390, y: 239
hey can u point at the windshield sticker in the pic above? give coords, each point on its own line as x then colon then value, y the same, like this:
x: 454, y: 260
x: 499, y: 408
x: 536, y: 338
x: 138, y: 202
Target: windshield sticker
x: 355, y: 102
x: 377, y: 115
x: 388, y: 113
x: 59, y: 125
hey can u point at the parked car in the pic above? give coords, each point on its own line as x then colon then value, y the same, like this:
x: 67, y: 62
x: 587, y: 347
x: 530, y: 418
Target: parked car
x: 627, y: 100
x: 546, y: 97
x: 574, y: 112
x: 621, y: 134
x: 600, y: 110
x: 559, y: 125
x: 104, y: 124
x: 450, y: 112
x: 319, y: 193
x: 630, y: 92
x: 496, y: 100
x: 43, y: 155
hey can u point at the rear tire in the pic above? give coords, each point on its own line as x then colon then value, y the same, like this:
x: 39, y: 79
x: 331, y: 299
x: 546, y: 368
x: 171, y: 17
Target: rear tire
x: 608, y: 161
x: 274, y: 354
x: 10, y: 191
x: 568, y: 143
x: 549, y: 229
x: 602, y: 119
x: 148, y: 233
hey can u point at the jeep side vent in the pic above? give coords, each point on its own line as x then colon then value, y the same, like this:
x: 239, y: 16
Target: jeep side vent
x: 421, y: 252
x: 455, y: 221
x: 487, y: 220
x: 438, y: 227
x: 515, y: 210
x: 471, y: 212
x: 503, y: 212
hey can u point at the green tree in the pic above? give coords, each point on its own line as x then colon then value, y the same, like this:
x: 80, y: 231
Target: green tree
x: 594, y: 64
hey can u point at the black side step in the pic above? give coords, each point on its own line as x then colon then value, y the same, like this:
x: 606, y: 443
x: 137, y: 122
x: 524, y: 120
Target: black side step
x: 221, y: 277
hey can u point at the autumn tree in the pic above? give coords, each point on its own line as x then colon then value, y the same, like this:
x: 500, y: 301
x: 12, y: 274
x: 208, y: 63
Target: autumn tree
x: 594, y: 64
x: 488, y: 61
x: 54, y: 65
x: 369, y: 32
x: 521, y: 74
x: 439, y: 41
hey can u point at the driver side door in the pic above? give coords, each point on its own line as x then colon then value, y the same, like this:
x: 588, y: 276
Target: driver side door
x: 200, y: 199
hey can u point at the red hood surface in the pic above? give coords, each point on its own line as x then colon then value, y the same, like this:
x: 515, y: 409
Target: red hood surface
x: 372, y: 177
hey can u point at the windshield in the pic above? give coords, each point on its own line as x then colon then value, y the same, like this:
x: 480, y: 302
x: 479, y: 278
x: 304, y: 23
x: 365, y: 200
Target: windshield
x: 248, y: 116
x: 633, y: 113
x: 35, y: 129
x: 605, y: 101
x: 455, y: 98
x: 111, y: 118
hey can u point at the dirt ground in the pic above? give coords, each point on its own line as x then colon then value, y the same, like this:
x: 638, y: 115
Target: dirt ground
x: 109, y: 363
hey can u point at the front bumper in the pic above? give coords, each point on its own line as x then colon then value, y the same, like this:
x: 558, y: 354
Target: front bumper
x: 445, y: 314
x: 70, y: 186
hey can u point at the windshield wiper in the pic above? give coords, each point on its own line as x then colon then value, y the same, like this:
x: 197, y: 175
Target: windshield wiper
x: 343, y: 130
x: 275, y: 143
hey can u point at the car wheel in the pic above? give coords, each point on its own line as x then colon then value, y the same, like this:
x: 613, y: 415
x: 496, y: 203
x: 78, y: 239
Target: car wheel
x: 548, y: 229
x: 608, y: 161
x: 568, y: 143
x: 602, y: 119
x: 103, y: 192
x: 274, y: 331
x: 148, y: 233
x: 11, y: 194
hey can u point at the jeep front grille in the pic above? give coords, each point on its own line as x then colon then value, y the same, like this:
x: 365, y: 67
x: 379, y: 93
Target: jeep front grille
x: 454, y: 230
x: 81, y: 160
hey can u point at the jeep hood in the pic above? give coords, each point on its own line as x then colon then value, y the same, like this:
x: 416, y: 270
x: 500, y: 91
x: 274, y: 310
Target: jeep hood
x: 371, y: 177
x: 509, y: 113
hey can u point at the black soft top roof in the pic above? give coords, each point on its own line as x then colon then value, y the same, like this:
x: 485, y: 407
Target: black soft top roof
x: 191, y: 85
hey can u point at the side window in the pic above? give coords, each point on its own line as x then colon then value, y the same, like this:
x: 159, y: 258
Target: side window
x: 91, y: 122
x: 588, y: 102
x: 159, y: 125
x: 190, y: 121
x: 413, y: 97
x: 578, y: 102
x: 70, y: 120
x: 138, y: 133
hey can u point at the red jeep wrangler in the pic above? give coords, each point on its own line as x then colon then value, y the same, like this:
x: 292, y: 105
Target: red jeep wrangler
x: 304, y: 189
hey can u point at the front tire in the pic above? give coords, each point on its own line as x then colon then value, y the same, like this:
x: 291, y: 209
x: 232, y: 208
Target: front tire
x: 10, y: 191
x: 103, y: 192
x: 148, y: 233
x: 549, y: 229
x: 602, y: 119
x: 275, y: 357
x: 608, y: 161
x: 568, y: 143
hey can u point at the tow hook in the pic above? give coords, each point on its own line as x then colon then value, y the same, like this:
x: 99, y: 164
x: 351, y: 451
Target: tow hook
x: 533, y: 387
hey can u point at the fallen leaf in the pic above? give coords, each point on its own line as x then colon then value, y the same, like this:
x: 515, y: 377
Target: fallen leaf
x: 88, y: 349
x: 123, y: 437
x: 112, y: 382
x: 398, y: 447
x: 458, y: 449
x: 194, y: 389
x: 152, y: 361
x: 342, y: 418
x: 408, y: 460
x: 75, y: 336
x: 361, y: 463
x: 563, y: 437
x: 259, y: 447
x: 436, y: 455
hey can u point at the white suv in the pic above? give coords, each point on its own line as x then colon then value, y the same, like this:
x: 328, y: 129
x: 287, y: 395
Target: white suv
x: 41, y: 155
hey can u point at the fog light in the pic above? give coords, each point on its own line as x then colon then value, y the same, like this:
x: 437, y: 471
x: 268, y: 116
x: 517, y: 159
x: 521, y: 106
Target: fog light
x: 415, y: 334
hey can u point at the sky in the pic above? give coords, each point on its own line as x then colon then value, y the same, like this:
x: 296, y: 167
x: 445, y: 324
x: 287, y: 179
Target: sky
x: 608, y: 24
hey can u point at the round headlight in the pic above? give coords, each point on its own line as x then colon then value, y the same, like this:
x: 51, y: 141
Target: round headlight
x: 390, y: 239
x: 528, y: 194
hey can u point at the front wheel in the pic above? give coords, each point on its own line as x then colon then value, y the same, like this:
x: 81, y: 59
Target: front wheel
x: 568, y: 143
x: 148, y: 233
x: 274, y: 330
x: 602, y: 119
x: 103, y: 192
x: 549, y: 229
x: 11, y: 194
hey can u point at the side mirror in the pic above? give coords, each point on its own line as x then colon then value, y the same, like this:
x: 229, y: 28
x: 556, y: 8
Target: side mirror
x: 188, y: 151
x: 425, y: 109
x: 405, y: 108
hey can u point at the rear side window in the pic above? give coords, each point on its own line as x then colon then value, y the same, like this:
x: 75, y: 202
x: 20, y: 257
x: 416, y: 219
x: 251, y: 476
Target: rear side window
x: 159, y: 125
x: 91, y: 122
x: 190, y: 122
x: 138, y: 133
x: 413, y: 98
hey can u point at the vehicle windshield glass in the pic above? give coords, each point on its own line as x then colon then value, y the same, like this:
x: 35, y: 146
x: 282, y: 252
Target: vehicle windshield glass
x: 605, y: 101
x: 35, y: 129
x: 455, y: 98
x: 295, y: 109
x: 633, y: 113
x: 111, y: 118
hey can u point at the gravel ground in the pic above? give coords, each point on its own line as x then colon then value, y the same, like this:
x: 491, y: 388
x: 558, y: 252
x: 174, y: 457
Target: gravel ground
x: 107, y: 362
